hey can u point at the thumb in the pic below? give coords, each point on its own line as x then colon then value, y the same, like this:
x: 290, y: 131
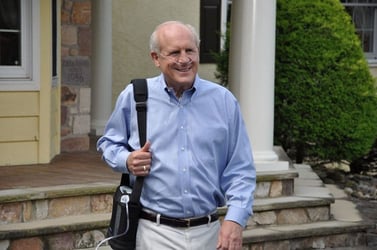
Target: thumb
x: 146, y: 147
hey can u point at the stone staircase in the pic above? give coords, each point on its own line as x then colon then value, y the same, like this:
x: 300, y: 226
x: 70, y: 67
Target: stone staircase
x: 305, y: 219
x: 293, y: 210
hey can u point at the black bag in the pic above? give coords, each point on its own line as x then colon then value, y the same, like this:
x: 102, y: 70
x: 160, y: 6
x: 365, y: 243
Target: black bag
x: 124, y: 220
x: 126, y: 203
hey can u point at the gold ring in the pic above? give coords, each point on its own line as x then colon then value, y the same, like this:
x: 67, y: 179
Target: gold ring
x: 145, y: 169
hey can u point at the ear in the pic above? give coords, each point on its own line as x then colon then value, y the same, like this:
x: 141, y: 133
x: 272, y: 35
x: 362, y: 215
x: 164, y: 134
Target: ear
x: 154, y: 56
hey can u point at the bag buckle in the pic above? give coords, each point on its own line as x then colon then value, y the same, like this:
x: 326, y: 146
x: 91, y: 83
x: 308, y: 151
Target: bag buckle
x: 141, y: 106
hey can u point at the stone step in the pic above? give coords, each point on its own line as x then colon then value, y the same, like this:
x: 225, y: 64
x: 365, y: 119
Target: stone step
x: 52, y: 192
x: 83, y: 232
x: 70, y: 232
x: 275, y: 183
x: 283, y: 180
x: 29, y: 204
x: 317, y: 235
x: 74, y: 223
x: 282, y: 210
x: 59, y: 191
x: 33, y: 204
x: 279, y: 203
x: 268, y: 211
x: 290, y: 210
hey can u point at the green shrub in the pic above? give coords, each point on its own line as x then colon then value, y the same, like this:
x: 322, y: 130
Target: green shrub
x: 325, y: 96
x: 222, y: 59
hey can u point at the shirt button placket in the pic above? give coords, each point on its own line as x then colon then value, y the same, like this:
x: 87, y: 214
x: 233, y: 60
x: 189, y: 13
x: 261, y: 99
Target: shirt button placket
x: 184, y: 174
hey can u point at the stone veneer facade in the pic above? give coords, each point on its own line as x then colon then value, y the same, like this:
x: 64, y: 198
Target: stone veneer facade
x: 76, y: 52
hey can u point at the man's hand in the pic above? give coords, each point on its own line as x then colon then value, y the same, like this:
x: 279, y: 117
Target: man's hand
x: 139, y: 161
x: 230, y: 236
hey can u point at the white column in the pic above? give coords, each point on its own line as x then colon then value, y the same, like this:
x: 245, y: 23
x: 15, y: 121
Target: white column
x: 101, y: 65
x: 251, y: 75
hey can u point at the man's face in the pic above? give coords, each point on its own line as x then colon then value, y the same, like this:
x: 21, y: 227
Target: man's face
x: 178, y: 58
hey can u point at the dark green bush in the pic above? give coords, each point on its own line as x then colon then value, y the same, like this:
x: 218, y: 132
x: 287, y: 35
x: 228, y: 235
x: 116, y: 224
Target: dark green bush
x: 325, y: 96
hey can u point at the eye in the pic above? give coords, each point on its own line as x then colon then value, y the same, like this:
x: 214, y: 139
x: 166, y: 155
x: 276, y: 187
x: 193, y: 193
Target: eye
x: 174, y: 53
x: 190, y: 51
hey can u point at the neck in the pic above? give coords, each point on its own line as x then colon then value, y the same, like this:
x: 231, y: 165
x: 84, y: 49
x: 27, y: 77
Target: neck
x: 179, y: 91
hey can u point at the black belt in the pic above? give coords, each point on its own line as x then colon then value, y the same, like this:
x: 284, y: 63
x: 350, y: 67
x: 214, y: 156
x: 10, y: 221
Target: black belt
x: 173, y: 222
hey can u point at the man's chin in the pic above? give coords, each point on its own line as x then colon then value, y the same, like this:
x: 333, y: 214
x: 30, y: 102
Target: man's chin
x: 188, y: 79
x: 186, y: 82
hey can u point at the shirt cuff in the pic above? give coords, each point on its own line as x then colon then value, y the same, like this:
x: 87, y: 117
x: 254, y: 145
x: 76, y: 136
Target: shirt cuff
x: 121, y: 161
x: 238, y: 215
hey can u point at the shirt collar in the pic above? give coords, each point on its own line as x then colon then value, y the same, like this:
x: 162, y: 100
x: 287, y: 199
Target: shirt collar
x: 168, y: 89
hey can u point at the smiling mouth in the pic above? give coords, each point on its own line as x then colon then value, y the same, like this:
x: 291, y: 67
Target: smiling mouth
x: 186, y: 67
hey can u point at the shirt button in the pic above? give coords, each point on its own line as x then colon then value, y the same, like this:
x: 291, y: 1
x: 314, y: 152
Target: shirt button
x: 185, y: 191
x: 182, y: 149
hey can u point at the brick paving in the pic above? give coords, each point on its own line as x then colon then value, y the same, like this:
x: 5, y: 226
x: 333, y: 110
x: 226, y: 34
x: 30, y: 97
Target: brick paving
x: 66, y: 168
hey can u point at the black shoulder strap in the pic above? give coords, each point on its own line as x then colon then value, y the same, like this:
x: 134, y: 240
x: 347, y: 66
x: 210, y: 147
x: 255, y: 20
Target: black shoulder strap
x: 141, y: 97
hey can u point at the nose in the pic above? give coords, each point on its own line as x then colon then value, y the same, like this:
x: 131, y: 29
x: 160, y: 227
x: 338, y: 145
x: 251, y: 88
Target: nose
x: 184, y: 58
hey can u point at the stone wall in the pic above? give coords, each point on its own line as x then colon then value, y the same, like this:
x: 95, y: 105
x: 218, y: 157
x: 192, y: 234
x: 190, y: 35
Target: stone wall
x: 76, y: 52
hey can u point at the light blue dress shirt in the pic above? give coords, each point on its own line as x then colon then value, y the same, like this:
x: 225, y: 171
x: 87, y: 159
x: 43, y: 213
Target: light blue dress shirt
x: 201, y: 155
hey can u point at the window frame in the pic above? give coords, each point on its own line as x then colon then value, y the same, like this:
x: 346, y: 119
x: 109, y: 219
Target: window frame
x: 370, y: 56
x: 26, y: 76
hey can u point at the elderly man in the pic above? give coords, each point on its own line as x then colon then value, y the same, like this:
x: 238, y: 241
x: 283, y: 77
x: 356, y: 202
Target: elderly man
x: 197, y: 156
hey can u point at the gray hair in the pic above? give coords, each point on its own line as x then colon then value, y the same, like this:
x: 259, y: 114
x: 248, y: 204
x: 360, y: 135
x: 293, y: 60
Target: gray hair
x: 154, y: 43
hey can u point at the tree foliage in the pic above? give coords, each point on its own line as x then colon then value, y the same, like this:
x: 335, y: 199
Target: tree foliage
x: 325, y: 96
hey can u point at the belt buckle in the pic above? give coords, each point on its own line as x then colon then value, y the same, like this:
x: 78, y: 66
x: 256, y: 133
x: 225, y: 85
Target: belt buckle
x: 188, y: 222
x: 209, y: 219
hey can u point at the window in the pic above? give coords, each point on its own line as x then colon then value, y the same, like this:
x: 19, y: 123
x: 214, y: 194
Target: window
x: 10, y: 33
x: 210, y: 14
x: 214, y: 15
x: 19, y: 29
x: 364, y: 17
